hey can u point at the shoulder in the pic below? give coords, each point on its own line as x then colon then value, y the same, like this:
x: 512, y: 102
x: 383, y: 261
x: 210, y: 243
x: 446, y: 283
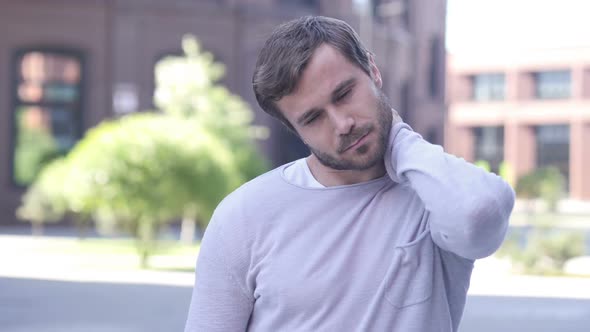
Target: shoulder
x: 242, y: 205
x: 252, y: 191
x: 238, y: 218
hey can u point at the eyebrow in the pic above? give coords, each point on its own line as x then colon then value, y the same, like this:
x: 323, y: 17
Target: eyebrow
x: 335, y: 94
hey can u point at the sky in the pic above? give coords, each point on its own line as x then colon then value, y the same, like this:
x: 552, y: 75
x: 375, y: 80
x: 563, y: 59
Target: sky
x: 488, y: 25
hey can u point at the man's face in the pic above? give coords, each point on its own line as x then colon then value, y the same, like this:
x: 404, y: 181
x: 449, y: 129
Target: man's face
x: 340, y: 112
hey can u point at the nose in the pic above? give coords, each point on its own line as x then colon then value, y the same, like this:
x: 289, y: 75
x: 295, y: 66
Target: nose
x: 342, y: 121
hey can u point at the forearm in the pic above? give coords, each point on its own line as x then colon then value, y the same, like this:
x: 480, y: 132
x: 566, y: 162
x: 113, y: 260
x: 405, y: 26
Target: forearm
x: 469, y: 208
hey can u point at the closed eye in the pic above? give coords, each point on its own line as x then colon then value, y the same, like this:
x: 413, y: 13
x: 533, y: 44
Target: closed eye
x: 311, y: 118
x: 341, y: 97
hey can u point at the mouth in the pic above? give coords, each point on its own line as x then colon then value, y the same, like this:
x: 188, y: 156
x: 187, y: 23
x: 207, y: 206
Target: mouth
x: 358, y: 142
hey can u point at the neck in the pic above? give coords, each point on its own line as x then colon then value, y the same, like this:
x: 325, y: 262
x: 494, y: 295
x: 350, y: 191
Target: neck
x: 330, y: 177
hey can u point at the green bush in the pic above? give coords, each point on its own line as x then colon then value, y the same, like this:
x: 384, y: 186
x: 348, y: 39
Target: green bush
x: 506, y: 172
x: 45, y: 201
x: 483, y: 164
x: 147, y: 169
x: 546, y: 183
x: 546, y: 251
x: 140, y: 171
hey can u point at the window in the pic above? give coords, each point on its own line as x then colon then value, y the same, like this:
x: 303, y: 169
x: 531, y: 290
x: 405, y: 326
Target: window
x: 376, y: 10
x: 488, y: 87
x: 389, y: 9
x: 47, y: 109
x: 310, y: 3
x: 432, y: 136
x: 406, y: 101
x: 552, y: 84
x: 435, y: 73
x: 406, y: 14
x: 489, y: 146
x: 306, y: 3
x: 553, y: 147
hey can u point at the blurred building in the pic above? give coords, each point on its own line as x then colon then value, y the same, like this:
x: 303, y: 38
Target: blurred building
x: 65, y: 65
x: 530, y: 109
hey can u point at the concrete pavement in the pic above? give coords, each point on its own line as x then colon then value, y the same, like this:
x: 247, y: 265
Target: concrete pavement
x: 36, y: 305
x: 49, y: 295
x: 525, y: 314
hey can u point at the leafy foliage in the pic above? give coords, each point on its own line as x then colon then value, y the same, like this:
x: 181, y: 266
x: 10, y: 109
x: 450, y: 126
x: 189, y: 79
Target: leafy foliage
x: 140, y: 171
x: 545, y: 252
x: 483, y: 164
x: 45, y: 200
x: 35, y: 148
x: 148, y: 166
x: 546, y: 183
x: 506, y: 172
x: 187, y: 86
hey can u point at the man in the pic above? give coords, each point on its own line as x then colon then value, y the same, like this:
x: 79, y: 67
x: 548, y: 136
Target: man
x: 377, y: 230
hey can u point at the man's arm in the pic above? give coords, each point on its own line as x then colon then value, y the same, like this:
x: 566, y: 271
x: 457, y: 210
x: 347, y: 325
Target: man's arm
x: 218, y: 302
x: 469, y: 207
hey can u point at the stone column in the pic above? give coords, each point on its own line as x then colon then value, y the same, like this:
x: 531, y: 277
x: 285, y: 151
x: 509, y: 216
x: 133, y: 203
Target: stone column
x: 519, y: 149
x: 577, y: 84
x: 579, y: 159
x: 460, y: 142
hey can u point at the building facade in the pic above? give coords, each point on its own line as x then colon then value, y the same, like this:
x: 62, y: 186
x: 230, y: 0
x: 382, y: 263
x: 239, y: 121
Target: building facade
x: 66, y: 65
x: 529, y: 109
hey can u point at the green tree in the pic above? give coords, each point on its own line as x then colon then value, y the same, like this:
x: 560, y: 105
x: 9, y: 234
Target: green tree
x: 187, y: 86
x: 141, y: 171
x: 144, y: 170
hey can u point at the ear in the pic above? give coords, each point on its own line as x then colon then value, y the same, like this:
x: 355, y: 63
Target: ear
x: 375, y: 73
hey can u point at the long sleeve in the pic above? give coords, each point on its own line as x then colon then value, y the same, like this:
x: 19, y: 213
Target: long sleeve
x: 468, y: 207
x: 218, y: 301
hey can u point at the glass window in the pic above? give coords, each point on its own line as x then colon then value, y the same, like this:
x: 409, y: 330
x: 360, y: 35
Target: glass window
x: 552, y: 84
x: 488, y: 87
x: 489, y: 146
x: 46, y: 111
x: 553, y: 148
x: 406, y: 101
x: 406, y: 14
x: 434, y: 75
x: 307, y: 3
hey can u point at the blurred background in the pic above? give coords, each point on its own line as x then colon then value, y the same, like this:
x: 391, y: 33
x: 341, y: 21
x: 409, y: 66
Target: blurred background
x: 123, y: 123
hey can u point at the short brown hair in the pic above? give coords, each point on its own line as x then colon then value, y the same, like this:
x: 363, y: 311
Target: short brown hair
x: 287, y: 51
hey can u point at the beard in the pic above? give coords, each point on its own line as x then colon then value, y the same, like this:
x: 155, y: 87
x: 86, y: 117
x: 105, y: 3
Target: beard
x: 366, y: 158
